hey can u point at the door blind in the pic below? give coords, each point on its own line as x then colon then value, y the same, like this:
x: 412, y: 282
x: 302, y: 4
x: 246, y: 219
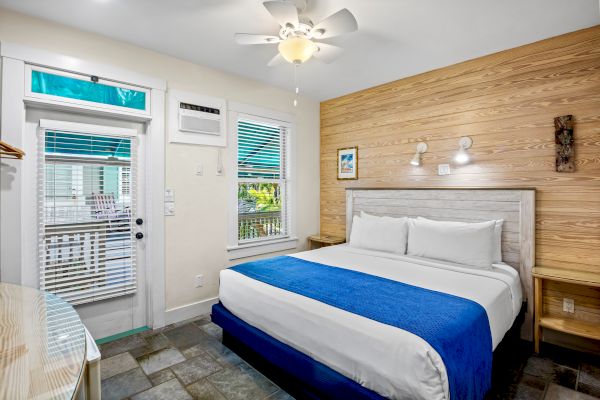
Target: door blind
x: 87, y: 198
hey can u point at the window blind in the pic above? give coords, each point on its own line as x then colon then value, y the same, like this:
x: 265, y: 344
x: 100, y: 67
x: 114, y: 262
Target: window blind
x: 86, y: 243
x: 259, y: 151
x: 262, y: 181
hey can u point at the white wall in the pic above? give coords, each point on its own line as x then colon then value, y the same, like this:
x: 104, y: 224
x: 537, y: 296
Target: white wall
x: 196, y: 236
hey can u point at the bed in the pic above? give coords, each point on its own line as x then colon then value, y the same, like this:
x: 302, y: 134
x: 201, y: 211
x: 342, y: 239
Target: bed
x: 325, y: 343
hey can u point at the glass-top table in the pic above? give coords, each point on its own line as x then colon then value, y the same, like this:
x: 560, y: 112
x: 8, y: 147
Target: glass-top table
x: 42, y: 345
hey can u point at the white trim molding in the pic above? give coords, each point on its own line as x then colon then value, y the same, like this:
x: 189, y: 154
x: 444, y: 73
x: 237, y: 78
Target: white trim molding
x: 257, y: 111
x: 261, y: 247
x: 155, y: 210
x: 196, y: 309
x: 65, y: 126
x: 73, y: 64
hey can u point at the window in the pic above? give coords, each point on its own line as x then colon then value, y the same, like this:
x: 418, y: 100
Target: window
x: 87, y: 251
x: 58, y: 85
x: 262, y: 171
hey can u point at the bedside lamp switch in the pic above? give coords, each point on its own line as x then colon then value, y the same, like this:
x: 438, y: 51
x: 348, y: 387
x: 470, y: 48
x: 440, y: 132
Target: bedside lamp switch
x: 568, y: 305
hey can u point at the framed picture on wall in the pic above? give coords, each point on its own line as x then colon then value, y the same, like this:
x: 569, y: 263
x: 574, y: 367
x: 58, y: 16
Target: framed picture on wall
x: 347, y: 163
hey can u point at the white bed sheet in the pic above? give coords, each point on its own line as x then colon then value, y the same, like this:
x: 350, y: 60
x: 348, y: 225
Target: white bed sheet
x: 394, y: 363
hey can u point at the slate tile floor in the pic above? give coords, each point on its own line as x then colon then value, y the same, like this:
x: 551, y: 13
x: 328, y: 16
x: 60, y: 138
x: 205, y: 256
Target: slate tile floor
x: 188, y: 361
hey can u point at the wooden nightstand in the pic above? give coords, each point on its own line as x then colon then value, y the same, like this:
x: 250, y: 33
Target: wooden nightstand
x: 560, y: 323
x: 324, y: 240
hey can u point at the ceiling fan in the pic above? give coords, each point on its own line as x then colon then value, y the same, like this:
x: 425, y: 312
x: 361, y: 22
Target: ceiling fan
x: 298, y: 36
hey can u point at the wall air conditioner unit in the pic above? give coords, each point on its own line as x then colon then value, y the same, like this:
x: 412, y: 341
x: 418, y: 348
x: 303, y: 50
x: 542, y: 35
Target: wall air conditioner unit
x: 197, y: 119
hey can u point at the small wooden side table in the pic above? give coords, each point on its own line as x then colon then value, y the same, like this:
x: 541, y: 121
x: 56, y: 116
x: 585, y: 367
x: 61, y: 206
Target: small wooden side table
x: 572, y: 326
x: 324, y: 240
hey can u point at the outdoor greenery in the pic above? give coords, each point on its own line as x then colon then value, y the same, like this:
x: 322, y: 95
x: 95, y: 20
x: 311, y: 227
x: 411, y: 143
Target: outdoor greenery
x: 259, y: 207
x: 262, y: 197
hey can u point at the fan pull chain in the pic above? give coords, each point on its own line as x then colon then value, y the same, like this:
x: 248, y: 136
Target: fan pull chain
x: 296, y: 84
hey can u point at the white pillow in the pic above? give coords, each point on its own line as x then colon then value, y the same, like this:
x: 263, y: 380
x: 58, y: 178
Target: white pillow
x: 462, y: 243
x: 379, y: 233
x: 497, y: 252
x: 498, y: 241
x: 355, y: 231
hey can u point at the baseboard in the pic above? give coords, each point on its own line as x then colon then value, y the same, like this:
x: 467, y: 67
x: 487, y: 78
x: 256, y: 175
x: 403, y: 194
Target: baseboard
x: 188, y: 311
x: 122, y: 335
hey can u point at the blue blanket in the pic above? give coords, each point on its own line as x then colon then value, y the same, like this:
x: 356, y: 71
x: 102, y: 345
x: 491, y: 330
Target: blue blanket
x: 457, y: 328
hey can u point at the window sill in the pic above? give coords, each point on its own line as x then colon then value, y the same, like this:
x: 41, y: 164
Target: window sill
x: 261, y: 247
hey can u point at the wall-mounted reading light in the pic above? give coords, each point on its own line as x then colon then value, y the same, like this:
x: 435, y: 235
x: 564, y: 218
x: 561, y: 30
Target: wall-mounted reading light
x: 421, y: 148
x: 462, y: 156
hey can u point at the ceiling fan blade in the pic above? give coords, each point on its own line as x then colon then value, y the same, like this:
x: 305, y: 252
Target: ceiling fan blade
x: 336, y: 24
x: 277, y: 60
x: 249, y: 38
x: 327, y: 52
x: 284, y: 12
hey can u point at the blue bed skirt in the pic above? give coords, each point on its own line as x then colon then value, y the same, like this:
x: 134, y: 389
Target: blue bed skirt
x: 294, y: 371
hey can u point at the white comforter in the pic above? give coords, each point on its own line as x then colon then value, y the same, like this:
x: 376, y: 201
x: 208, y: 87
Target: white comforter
x: 392, y: 362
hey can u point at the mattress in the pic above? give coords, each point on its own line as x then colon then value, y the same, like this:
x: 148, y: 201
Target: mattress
x: 390, y: 361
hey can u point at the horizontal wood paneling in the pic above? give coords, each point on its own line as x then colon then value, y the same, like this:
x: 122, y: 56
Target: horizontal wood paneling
x: 506, y: 102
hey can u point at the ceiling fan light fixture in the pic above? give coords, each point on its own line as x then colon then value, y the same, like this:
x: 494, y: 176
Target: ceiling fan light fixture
x: 318, y: 33
x: 297, y: 50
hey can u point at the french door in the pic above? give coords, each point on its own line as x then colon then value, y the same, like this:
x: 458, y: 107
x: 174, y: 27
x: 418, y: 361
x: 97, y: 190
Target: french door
x: 91, y: 222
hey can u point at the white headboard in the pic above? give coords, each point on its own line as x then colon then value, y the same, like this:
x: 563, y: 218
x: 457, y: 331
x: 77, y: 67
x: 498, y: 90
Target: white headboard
x: 515, y: 206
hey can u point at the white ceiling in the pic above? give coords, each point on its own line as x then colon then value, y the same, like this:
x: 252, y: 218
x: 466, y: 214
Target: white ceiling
x: 396, y: 38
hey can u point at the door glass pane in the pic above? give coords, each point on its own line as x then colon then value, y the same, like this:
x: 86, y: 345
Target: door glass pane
x: 87, y: 250
x: 72, y: 88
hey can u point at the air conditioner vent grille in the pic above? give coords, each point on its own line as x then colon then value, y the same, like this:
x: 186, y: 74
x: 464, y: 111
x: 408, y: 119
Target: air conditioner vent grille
x: 187, y: 106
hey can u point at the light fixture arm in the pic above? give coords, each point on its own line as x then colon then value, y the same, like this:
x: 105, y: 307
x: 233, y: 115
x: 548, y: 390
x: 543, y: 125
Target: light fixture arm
x: 465, y: 142
x: 421, y: 148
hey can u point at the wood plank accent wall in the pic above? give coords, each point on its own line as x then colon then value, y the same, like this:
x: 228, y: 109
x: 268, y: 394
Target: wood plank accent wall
x: 506, y: 102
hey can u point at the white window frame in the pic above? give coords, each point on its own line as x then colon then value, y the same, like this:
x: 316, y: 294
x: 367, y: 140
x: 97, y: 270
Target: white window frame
x: 264, y: 245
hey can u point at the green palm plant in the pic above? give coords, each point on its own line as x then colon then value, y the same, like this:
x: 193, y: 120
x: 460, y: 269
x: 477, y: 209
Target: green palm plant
x: 265, y: 198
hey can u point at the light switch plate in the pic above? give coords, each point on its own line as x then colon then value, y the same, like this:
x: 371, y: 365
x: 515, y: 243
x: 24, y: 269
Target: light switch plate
x: 568, y: 305
x: 169, y: 208
x: 444, y: 169
x: 199, y: 169
x: 169, y: 195
x: 199, y: 280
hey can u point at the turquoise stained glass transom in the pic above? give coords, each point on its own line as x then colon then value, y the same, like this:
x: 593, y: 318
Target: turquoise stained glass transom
x: 72, y: 88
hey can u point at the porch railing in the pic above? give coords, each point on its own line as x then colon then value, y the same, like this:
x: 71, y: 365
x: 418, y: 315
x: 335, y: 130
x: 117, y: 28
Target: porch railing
x: 259, y: 225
